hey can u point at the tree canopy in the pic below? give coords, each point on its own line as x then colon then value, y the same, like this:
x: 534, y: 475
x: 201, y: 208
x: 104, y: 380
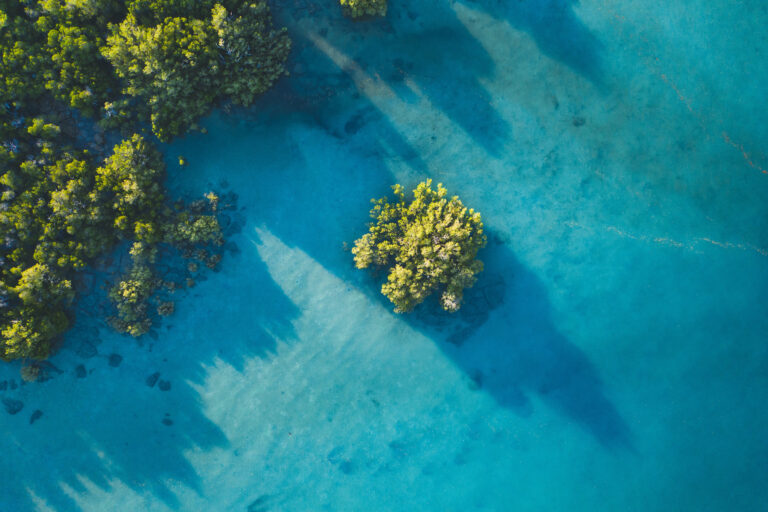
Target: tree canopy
x: 70, y: 70
x: 429, y: 244
x: 361, y: 8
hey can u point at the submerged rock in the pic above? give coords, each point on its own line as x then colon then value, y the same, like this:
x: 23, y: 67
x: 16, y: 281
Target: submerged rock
x: 12, y: 406
x: 87, y: 350
x: 152, y: 379
x: 80, y: 371
x: 35, y: 416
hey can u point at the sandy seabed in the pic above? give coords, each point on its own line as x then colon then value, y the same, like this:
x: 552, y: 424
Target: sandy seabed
x: 612, y: 356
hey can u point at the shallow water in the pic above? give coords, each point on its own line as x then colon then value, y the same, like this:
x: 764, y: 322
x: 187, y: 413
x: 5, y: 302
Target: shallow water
x: 611, y: 357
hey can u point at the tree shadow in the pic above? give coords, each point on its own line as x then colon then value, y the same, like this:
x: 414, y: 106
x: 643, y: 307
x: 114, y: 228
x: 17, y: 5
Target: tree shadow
x: 112, y: 411
x: 424, y: 49
x: 558, y: 32
x: 506, y: 342
x: 406, y: 59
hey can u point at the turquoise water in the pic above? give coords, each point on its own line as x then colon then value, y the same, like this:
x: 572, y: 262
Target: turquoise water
x: 612, y: 356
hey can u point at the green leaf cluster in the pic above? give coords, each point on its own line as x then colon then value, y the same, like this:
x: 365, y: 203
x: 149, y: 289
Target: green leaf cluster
x: 164, y: 62
x: 429, y: 245
x: 59, y: 212
x: 122, y: 64
x: 184, y: 58
x: 360, y: 8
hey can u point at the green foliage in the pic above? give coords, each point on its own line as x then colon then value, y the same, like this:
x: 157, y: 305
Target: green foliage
x: 131, y: 296
x: 429, y: 245
x: 160, y: 61
x: 253, y: 53
x: 30, y: 373
x: 123, y: 63
x: 360, y: 8
x: 178, y: 66
x: 166, y: 308
x: 172, y: 66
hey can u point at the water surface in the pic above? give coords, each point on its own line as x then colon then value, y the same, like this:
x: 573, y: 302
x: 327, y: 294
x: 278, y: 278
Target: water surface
x: 611, y: 357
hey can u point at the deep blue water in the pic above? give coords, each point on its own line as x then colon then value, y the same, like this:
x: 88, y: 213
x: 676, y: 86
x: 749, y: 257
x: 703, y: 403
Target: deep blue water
x: 613, y: 355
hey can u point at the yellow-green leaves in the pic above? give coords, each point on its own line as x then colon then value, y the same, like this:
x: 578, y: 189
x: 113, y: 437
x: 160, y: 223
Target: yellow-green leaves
x: 172, y: 66
x: 179, y: 60
x: 359, y: 8
x: 430, y: 244
x: 121, y: 62
x: 252, y: 51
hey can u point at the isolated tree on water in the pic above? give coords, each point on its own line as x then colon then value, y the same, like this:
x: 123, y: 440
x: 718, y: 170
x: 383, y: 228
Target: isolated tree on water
x: 429, y: 245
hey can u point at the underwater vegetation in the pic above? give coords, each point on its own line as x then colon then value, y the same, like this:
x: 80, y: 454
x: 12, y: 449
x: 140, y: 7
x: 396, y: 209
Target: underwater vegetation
x: 429, y: 244
x: 360, y: 8
x: 73, y: 75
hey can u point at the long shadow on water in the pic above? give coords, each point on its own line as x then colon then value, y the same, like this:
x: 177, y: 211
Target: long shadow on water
x: 558, y: 32
x: 118, y: 413
x: 409, y: 51
x: 505, y: 340
x: 426, y: 44
x: 503, y: 337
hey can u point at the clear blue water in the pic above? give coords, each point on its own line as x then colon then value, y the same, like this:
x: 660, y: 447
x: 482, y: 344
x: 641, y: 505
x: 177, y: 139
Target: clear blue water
x: 613, y: 355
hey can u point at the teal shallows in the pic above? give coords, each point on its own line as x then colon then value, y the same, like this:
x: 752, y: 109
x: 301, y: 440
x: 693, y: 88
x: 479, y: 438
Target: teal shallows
x: 615, y: 355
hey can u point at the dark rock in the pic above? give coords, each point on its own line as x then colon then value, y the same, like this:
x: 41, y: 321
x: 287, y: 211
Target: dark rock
x: 237, y: 221
x: 334, y: 456
x: 87, y: 350
x: 48, y: 367
x: 80, y: 372
x: 35, y: 416
x: 347, y: 467
x: 115, y: 360
x: 494, y: 294
x: 228, y: 201
x: 164, y: 385
x: 152, y: 379
x: 260, y: 504
x: 354, y: 124
x: 12, y: 406
x: 579, y: 121
x: 167, y: 422
x: 224, y: 222
x: 476, y: 380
